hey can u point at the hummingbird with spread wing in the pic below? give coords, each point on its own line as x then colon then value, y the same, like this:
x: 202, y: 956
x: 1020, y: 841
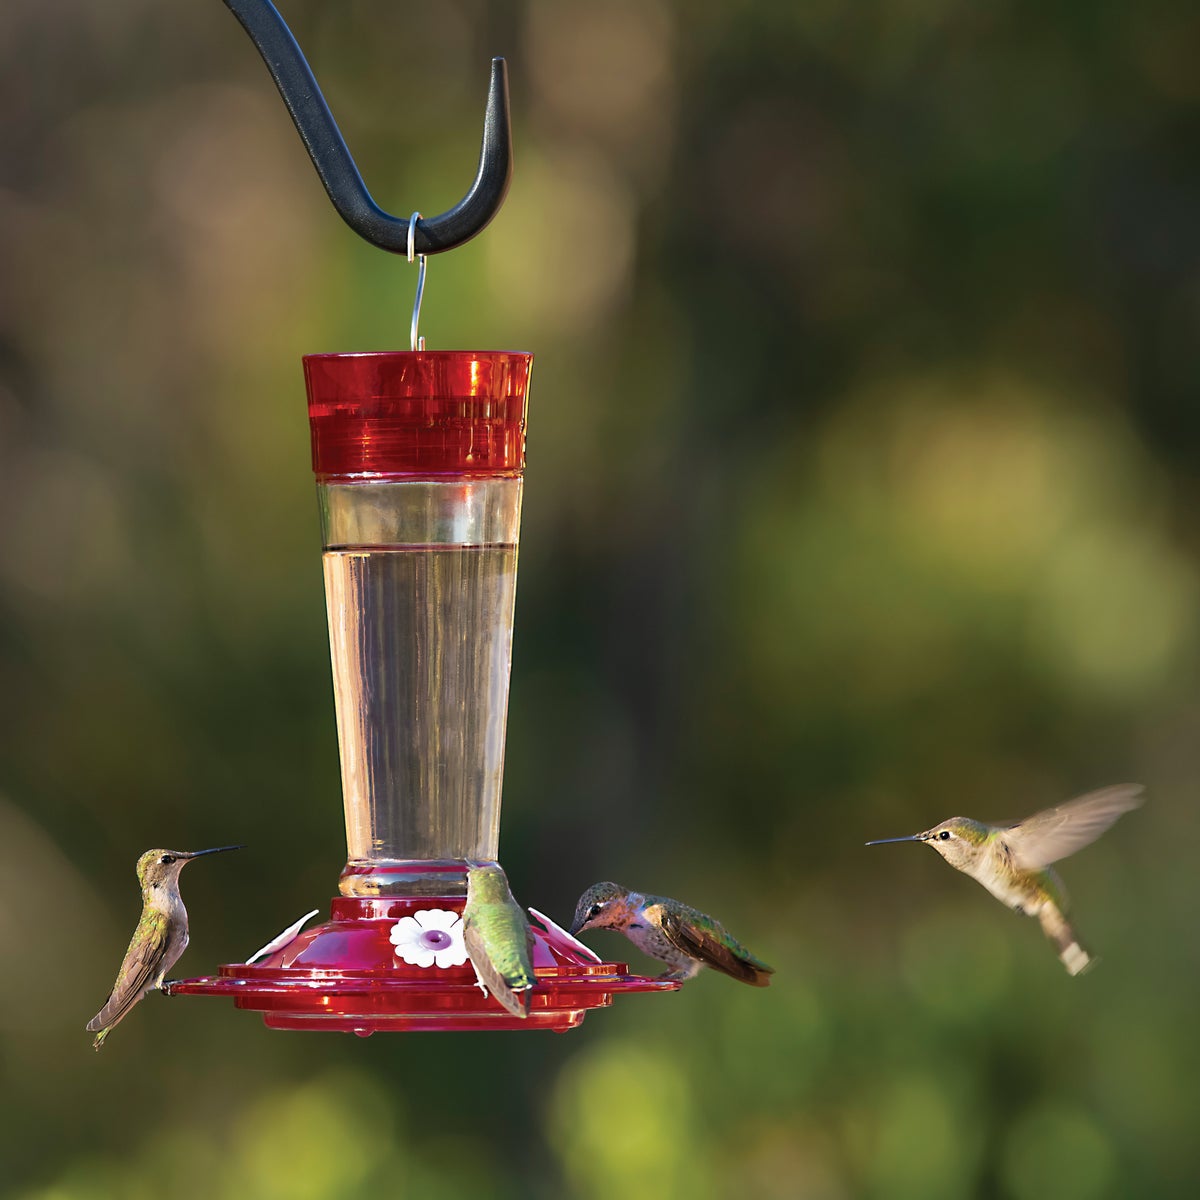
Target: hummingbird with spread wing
x: 1013, y: 861
x: 498, y: 938
x: 684, y: 938
x: 160, y: 938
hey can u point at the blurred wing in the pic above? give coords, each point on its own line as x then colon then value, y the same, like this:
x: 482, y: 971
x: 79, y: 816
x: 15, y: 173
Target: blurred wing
x: 148, y: 957
x: 689, y: 936
x: 509, y: 984
x: 1048, y: 836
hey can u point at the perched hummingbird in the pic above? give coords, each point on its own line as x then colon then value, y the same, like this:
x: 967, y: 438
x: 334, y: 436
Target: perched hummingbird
x: 1013, y: 861
x: 682, y: 937
x: 499, y: 940
x: 160, y: 938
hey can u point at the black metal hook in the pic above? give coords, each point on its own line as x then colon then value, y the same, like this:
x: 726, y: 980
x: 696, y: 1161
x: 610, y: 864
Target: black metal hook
x: 328, y: 151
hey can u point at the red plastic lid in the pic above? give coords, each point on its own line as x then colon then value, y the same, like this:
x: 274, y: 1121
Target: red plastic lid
x: 458, y: 412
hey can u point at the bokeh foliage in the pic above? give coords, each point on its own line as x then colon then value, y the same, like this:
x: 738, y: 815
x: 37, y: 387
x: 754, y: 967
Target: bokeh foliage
x: 862, y: 491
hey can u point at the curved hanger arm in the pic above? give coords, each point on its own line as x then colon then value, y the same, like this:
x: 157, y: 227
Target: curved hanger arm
x: 327, y: 148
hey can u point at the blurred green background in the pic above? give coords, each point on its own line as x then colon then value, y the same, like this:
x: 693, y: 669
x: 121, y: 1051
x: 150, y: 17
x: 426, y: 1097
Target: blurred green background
x: 862, y: 491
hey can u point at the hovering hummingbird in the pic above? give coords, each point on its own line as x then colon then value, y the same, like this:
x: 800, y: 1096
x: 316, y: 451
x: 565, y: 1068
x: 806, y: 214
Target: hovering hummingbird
x: 498, y: 938
x: 160, y: 938
x: 682, y: 937
x: 1013, y: 861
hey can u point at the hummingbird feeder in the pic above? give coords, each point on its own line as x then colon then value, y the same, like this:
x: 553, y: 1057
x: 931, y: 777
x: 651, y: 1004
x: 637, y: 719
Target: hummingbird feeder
x: 419, y: 457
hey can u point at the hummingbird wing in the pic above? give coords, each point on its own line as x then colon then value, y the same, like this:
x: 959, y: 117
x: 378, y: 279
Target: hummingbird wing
x: 1048, y: 836
x: 700, y: 937
x: 500, y: 946
x: 152, y: 952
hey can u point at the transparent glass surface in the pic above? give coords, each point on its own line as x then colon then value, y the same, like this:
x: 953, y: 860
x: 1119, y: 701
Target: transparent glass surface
x: 420, y: 512
x: 420, y: 609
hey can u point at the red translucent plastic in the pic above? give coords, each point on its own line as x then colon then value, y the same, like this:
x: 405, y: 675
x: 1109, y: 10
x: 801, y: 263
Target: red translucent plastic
x: 344, y: 976
x: 425, y: 412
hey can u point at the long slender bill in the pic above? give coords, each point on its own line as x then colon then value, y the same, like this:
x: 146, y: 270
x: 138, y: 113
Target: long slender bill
x: 915, y: 837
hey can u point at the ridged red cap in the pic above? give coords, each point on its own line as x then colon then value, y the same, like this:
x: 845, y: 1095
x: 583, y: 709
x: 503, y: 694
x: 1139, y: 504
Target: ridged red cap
x: 459, y: 412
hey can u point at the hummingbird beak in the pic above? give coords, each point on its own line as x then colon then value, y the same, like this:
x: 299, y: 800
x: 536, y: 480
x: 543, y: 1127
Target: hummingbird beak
x: 914, y: 837
x: 215, y: 850
x: 578, y: 925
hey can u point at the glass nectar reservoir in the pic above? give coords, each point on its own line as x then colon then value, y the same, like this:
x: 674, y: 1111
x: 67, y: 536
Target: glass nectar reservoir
x: 419, y: 458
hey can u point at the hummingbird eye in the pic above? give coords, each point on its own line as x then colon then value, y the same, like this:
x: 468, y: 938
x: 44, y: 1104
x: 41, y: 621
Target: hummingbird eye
x: 167, y: 859
x: 595, y: 911
x: 944, y: 835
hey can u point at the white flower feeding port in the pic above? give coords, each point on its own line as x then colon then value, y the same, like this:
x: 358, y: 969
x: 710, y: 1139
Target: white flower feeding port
x: 431, y: 937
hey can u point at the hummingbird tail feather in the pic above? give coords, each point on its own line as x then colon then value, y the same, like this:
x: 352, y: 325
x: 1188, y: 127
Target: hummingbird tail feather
x: 98, y: 1040
x: 716, y: 950
x: 1070, y: 952
x: 509, y: 987
x: 515, y: 1000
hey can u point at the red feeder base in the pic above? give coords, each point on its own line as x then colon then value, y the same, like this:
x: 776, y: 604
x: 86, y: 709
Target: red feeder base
x: 346, y: 975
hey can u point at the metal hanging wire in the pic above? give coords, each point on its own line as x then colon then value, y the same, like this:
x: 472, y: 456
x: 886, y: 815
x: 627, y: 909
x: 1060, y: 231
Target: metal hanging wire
x: 416, y: 343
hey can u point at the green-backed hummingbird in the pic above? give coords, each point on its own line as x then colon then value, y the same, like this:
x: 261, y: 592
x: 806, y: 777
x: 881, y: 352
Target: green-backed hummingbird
x: 160, y: 938
x: 684, y: 938
x: 1013, y: 861
x: 498, y: 938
